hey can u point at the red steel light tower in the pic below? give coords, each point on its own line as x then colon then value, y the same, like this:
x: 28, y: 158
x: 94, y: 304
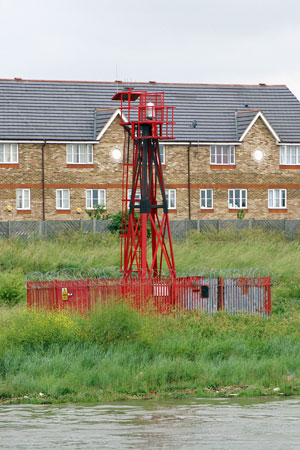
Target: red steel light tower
x: 144, y: 199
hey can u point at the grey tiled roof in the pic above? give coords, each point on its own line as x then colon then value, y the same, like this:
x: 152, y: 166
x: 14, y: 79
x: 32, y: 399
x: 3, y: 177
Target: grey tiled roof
x: 243, y: 120
x: 66, y: 110
x: 101, y: 118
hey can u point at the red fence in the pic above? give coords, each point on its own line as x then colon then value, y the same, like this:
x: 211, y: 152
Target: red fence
x: 234, y: 295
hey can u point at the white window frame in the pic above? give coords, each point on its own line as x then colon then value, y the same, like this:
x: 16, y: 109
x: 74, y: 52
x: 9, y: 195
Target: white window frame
x: 72, y: 151
x: 214, y: 149
x: 167, y: 191
x: 137, y: 197
x: 62, y: 198
x: 162, y: 153
x: 205, y: 191
x: 234, y: 198
x: 289, y: 155
x: 91, y: 207
x: 280, y: 198
x: 23, y: 200
x: 13, y: 150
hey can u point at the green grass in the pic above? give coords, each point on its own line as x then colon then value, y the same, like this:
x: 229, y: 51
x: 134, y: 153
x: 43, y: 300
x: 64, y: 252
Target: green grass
x: 116, y: 353
x: 224, y: 250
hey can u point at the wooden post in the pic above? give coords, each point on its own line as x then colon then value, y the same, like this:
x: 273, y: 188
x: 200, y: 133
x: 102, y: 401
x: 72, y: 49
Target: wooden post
x: 220, y: 300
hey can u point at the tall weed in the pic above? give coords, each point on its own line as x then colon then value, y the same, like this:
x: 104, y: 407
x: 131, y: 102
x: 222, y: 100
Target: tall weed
x: 12, y: 288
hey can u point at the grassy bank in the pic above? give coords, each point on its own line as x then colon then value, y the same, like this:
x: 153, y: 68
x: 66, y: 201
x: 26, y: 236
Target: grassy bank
x: 224, y: 250
x: 117, y: 354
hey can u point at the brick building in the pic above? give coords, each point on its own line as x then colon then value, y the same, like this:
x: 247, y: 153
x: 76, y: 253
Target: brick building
x: 237, y: 147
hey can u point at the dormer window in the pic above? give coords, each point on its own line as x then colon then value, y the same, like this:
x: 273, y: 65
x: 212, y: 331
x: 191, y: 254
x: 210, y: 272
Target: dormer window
x: 222, y: 155
x: 79, y: 154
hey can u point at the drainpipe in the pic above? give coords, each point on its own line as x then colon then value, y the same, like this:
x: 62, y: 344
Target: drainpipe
x: 189, y: 178
x: 43, y: 181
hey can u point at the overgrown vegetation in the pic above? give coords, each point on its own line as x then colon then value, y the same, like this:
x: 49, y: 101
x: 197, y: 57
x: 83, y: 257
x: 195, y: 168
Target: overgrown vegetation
x: 200, y: 251
x: 117, y: 353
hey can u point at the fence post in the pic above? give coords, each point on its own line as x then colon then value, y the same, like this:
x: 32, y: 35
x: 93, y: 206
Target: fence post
x: 9, y: 229
x: 218, y: 225
x: 185, y: 228
x: 94, y: 225
x: 40, y: 228
x: 198, y: 225
x: 220, y: 300
x: 285, y: 226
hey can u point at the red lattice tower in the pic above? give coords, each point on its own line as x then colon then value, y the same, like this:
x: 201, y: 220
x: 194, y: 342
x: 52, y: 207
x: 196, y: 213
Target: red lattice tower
x: 147, y: 121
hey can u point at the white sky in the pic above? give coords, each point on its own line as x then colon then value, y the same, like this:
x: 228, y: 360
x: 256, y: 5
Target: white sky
x: 196, y: 41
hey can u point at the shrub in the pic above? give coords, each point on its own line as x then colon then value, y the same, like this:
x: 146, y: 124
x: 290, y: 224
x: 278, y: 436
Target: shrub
x: 115, y: 225
x: 98, y: 213
x: 12, y: 288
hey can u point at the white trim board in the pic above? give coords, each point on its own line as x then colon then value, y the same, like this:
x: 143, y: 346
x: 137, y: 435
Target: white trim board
x: 199, y: 144
x: 266, y: 122
x: 116, y: 113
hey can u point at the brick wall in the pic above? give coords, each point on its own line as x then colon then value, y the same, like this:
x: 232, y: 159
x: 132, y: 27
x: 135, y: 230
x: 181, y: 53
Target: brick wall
x: 107, y: 174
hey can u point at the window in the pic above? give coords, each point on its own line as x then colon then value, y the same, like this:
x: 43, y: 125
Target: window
x: 9, y: 153
x: 290, y: 155
x: 137, y: 197
x: 222, y: 154
x: 95, y: 197
x: 23, y: 198
x: 79, y: 154
x: 171, y: 198
x: 206, y: 198
x: 237, y: 198
x: 277, y: 198
x: 62, y: 198
x: 162, y: 153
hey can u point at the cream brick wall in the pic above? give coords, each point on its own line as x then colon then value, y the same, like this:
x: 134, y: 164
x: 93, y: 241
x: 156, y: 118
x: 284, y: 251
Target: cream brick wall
x: 107, y: 174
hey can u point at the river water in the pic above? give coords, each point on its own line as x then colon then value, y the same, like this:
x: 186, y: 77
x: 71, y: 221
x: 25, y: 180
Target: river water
x: 211, y: 424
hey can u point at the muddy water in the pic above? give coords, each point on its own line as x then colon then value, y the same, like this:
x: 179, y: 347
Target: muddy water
x: 211, y: 424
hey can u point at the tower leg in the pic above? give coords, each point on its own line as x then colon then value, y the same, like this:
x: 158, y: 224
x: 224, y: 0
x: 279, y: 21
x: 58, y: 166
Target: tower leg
x: 144, y: 245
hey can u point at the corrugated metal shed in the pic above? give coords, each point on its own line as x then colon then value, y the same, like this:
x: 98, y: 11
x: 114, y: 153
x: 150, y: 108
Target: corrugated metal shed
x: 59, y: 110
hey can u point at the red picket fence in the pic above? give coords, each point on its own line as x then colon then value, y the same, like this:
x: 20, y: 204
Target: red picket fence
x: 197, y: 293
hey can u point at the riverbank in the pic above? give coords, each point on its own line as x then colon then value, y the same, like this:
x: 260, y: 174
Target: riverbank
x: 116, y: 354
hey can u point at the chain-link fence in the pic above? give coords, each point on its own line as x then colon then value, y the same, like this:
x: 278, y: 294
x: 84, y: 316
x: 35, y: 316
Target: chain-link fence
x: 179, y: 228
